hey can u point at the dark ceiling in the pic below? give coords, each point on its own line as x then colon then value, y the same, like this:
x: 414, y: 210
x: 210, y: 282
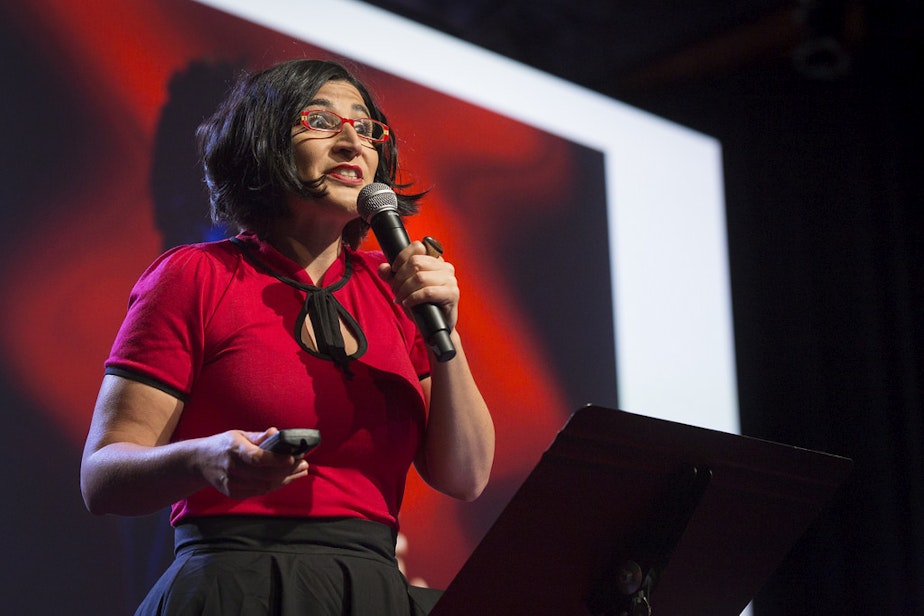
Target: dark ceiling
x: 623, y: 47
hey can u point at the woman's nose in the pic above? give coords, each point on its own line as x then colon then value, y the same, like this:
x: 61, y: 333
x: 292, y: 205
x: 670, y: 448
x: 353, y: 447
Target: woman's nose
x: 349, y: 138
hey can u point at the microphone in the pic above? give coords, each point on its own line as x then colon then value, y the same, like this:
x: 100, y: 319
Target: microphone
x: 378, y: 205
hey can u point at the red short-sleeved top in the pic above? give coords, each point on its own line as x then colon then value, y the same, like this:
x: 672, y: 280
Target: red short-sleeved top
x: 216, y: 330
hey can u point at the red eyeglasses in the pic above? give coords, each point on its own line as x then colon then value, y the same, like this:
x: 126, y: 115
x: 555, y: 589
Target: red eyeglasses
x: 329, y: 122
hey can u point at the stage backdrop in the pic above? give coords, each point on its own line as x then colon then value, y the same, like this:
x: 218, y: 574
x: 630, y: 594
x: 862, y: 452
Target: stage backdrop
x: 590, y: 253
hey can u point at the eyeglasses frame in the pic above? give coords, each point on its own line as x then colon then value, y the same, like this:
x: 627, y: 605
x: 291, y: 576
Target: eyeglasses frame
x: 303, y: 119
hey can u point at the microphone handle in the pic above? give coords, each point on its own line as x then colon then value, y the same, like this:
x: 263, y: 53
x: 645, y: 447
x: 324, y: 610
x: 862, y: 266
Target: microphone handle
x: 392, y: 236
x: 438, y: 340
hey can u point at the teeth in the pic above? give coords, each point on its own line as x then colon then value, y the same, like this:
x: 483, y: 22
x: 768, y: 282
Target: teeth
x: 348, y: 173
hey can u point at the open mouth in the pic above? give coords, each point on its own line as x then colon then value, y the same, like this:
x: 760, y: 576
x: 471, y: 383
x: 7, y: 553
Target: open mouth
x: 350, y: 175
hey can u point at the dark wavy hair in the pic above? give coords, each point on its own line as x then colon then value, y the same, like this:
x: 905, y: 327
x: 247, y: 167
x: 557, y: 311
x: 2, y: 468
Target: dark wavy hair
x: 246, y: 147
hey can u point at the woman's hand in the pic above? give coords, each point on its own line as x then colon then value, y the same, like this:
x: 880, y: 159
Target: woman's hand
x: 417, y: 277
x: 233, y: 463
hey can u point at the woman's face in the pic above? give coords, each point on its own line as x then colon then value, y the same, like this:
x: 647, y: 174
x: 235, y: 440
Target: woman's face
x: 345, y: 161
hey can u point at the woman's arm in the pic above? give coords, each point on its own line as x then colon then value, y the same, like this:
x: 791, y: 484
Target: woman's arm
x: 129, y: 466
x: 458, y: 447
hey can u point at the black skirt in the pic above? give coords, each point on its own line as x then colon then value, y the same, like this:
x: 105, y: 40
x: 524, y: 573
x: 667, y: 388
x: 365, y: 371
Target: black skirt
x: 283, y: 566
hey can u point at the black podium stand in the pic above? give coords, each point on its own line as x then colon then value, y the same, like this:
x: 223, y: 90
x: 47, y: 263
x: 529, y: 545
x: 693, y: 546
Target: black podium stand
x: 626, y: 514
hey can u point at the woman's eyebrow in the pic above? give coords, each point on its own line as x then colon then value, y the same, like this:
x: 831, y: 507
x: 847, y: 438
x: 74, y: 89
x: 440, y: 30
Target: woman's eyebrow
x: 323, y: 102
x: 319, y: 102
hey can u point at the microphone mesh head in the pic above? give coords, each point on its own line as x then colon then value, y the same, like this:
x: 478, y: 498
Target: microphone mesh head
x: 375, y: 198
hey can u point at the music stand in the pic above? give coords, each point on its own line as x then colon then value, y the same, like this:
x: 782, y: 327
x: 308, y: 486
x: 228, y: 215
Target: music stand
x: 625, y: 514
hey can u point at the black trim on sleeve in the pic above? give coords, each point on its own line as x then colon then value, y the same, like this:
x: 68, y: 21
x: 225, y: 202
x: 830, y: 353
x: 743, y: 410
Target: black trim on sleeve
x: 141, y: 378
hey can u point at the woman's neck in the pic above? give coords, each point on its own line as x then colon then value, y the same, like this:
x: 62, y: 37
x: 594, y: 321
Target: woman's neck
x: 315, y: 253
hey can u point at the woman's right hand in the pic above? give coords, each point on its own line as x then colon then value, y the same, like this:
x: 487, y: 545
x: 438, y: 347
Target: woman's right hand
x: 233, y: 463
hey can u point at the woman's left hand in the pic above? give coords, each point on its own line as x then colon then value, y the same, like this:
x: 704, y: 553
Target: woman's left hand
x: 418, y: 278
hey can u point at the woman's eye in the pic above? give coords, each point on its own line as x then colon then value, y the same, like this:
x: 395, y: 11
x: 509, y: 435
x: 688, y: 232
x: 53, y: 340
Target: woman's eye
x: 320, y: 121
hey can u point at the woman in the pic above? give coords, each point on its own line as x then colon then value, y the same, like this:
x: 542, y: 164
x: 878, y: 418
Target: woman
x: 287, y: 325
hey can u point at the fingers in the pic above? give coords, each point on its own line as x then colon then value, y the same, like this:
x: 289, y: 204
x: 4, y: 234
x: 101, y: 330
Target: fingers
x: 258, y: 437
x: 238, y: 468
x: 428, y: 246
x: 420, y: 275
x: 245, y: 481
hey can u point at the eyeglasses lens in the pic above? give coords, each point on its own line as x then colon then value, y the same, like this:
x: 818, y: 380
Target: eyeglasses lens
x: 328, y: 121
